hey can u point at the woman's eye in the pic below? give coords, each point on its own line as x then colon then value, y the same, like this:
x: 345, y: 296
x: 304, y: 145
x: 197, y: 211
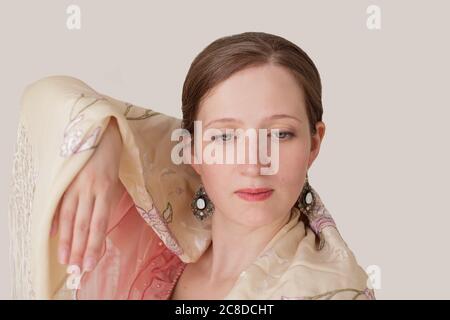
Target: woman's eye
x: 223, y: 137
x: 283, y: 135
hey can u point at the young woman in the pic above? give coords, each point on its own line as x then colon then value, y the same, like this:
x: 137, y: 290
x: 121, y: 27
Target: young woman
x: 132, y: 224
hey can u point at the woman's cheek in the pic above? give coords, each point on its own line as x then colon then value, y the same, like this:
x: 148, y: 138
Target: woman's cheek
x: 216, y: 176
x: 293, y: 159
x: 292, y: 170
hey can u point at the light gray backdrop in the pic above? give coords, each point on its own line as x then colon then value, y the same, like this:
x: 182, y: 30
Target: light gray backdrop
x: 383, y: 167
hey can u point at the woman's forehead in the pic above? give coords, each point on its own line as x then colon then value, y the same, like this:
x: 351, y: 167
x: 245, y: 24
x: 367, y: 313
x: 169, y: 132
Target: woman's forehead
x: 261, y: 92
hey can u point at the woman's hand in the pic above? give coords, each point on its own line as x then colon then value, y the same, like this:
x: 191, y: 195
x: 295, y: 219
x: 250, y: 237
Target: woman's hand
x: 84, y: 210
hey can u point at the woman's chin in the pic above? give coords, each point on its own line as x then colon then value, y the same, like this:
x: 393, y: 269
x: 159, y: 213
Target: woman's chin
x: 255, y: 218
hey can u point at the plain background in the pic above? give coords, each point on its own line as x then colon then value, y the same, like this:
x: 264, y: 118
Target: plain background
x: 383, y: 167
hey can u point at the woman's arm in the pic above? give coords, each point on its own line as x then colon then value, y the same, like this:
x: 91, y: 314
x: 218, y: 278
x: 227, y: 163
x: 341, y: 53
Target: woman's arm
x: 84, y: 211
x: 61, y: 120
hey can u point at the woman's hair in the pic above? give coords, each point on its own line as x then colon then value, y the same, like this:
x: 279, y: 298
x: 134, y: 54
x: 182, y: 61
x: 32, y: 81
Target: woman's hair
x: 228, y: 55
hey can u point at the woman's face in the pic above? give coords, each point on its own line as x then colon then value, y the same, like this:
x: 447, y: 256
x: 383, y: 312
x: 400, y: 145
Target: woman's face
x: 266, y: 96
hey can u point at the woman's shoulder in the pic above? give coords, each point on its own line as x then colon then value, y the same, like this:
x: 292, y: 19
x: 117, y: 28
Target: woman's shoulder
x: 324, y: 267
x: 305, y: 263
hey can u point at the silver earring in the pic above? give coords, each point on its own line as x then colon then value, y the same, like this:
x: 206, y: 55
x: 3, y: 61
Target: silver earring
x: 306, y: 200
x: 306, y: 203
x: 202, y: 207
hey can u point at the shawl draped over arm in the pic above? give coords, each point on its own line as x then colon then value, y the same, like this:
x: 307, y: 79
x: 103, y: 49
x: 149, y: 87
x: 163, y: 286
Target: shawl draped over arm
x: 62, y: 120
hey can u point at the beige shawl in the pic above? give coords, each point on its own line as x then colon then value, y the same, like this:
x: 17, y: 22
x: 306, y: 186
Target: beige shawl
x: 61, y: 122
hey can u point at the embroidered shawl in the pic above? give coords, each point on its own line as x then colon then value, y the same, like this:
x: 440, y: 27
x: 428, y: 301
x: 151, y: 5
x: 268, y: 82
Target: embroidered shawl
x: 61, y: 122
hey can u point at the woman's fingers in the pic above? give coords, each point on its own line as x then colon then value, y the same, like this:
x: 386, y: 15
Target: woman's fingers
x: 82, y: 223
x: 66, y: 216
x: 54, y: 227
x: 82, y: 220
x: 97, y: 232
x: 81, y: 227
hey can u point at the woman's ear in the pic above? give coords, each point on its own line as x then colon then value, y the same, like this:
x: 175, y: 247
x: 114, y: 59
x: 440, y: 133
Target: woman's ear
x: 316, y: 141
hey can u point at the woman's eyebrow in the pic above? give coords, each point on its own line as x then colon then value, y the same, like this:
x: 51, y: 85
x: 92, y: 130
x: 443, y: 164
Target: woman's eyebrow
x: 223, y: 120
x: 281, y: 116
x: 273, y: 117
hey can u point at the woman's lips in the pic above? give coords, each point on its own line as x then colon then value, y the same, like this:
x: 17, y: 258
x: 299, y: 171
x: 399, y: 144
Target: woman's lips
x: 256, y: 194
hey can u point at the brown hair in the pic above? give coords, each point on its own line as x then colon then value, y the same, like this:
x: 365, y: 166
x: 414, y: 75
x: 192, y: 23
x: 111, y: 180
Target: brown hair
x: 230, y: 54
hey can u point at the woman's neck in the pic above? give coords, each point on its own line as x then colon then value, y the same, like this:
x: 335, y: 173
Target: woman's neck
x: 234, y: 246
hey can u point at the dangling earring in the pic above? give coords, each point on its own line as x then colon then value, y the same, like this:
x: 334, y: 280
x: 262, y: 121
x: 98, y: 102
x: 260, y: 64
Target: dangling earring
x: 201, y: 205
x: 306, y: 200
x: 306, y: 203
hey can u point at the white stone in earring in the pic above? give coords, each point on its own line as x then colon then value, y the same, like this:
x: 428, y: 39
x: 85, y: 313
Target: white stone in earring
x: 201, y: 204
x: 309, y: 198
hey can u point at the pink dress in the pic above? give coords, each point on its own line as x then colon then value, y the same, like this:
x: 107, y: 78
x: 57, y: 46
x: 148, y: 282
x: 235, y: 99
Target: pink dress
x: 135, y: 263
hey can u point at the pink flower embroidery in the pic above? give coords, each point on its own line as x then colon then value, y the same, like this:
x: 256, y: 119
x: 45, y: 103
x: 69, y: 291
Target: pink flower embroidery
x: 153, y: 218
x: 73, y: 138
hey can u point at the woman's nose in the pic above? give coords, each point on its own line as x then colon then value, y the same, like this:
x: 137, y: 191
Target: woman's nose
x: 254, y: 158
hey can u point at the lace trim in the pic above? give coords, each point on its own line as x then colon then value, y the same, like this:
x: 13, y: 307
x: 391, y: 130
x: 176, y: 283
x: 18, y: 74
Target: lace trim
x: 20, y: 209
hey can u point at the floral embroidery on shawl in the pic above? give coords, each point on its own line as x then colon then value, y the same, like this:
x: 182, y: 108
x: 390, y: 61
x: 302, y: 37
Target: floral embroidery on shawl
x: 368, y: 293
x: 147, y: 113
x: 73, y: 141
x: 153, y: 218
x: 319, y: 218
